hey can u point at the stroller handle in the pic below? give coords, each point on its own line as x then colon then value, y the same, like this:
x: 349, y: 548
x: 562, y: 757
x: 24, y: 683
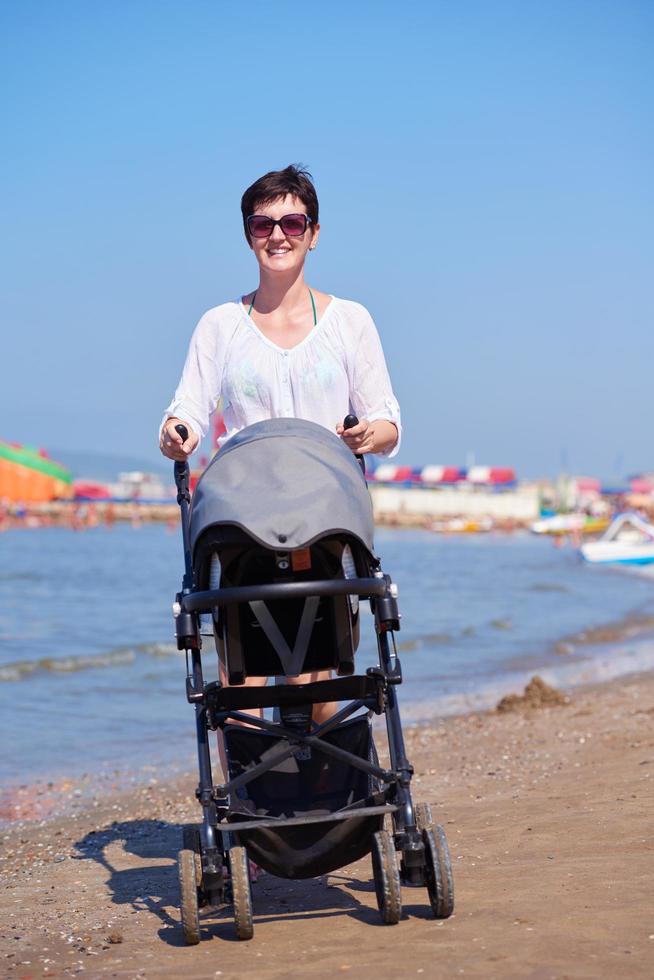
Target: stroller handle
x: 182, y: 476
x: 205, y: 601
x: 181, y: 467
x: 348, y: 423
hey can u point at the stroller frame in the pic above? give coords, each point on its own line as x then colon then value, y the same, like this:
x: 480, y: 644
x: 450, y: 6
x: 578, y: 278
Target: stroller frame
x: 206, y: 850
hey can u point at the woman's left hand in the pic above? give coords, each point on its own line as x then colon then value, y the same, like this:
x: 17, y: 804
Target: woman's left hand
x: 360, y: 438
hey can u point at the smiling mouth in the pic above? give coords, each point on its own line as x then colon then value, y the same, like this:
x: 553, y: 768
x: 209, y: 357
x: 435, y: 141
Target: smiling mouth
x: 278, y: 251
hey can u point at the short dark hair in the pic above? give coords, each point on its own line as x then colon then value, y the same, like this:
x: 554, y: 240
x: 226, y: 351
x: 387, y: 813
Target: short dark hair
x: 294, y: 179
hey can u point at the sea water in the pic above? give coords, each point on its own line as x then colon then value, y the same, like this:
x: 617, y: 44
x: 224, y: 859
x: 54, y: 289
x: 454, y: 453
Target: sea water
x: 91, y: 680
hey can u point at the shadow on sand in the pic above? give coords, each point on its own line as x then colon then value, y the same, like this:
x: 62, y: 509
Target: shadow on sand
x: 139, y: 857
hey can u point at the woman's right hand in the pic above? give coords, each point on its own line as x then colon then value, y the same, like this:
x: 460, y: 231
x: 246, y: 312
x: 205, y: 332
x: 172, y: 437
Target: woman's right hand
x: 171, y: 443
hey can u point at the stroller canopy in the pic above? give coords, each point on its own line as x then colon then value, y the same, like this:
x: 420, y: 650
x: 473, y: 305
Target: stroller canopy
x: 286, y: 482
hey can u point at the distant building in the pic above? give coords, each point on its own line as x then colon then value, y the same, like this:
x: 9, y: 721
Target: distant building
x: 141, y: 486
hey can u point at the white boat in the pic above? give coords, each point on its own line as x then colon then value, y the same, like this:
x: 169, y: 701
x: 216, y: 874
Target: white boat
x: 629, y: 540
x: 559, y: 524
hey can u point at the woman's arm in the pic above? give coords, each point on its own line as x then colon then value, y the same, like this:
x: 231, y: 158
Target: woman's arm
x: 197, y: 392
x: 379, y: 436
x: 371, y: 394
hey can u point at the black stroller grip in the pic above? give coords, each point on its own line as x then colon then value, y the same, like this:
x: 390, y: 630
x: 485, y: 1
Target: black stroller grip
x: 348, y: 423
x: 182, y: 477
x: 205, y: 601
x: 181, y: 468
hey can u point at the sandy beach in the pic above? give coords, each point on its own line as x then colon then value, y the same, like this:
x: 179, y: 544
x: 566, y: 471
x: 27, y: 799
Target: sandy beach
x: 548, y: 811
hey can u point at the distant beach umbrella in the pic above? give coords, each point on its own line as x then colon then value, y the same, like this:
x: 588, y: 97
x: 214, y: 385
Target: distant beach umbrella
x: 588, y: 485
x: 388, y: 473
x: 442, y: 474
x: 385, y: 472
x: 491, y: 475
x: 642, y: 484
x: 90, y: 490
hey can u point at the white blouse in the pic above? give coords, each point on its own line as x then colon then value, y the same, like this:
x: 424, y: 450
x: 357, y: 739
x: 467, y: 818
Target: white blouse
x: 337, y: 369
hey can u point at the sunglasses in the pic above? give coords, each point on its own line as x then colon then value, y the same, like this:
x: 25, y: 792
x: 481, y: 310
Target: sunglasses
x: 293, y: 225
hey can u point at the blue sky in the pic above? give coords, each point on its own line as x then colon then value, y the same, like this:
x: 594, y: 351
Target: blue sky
x: 485, y: 179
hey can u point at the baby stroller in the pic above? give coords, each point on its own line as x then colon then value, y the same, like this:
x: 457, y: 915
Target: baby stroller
x: 278, y: 552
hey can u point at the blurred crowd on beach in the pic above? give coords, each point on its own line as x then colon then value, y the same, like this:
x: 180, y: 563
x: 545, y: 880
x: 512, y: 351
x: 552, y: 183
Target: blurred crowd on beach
x: 84, y: 515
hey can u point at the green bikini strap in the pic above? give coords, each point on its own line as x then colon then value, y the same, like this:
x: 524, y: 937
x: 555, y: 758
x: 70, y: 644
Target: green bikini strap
x: 313, y: 306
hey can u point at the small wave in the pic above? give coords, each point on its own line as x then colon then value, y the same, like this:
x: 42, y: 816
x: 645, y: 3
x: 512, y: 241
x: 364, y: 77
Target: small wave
x: 501, y: 624
x: 548, y: 587
x: 157, y: 649
x: 640, y: 658
x: 21, y: 577
x: 22, y: 669
x: 627, y: 628
x: 639, y: 571
x: 426, y: 640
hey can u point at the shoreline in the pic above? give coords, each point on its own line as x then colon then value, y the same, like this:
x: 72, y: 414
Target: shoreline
x: 67, y: 794
x: 558, y: 795
x: 86, y: 515
x: 620, y: 649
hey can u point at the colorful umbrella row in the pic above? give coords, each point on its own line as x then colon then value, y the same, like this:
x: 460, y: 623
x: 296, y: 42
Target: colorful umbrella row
x: 444, y: 475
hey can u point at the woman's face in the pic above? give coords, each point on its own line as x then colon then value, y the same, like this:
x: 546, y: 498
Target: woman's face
x: 280, y: 252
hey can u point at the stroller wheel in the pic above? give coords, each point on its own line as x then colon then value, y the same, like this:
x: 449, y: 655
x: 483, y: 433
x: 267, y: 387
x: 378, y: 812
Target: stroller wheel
x: 387, y: 878
x: 191, y: 842
x: 188, y: 888
x: 438, y: 872
x: 423, y: 816
x: 241, y: 892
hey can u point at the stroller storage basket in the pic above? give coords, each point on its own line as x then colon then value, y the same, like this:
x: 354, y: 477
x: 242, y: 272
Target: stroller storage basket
x: 308, y: 784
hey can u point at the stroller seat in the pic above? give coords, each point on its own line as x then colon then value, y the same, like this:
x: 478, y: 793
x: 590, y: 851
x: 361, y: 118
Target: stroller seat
x: 281, y: 637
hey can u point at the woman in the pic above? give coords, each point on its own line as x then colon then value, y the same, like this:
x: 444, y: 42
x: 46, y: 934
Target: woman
x: 285, y: 350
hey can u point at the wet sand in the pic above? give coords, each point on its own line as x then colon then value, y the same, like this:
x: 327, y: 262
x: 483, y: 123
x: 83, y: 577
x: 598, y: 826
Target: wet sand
x: 548, y: 810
